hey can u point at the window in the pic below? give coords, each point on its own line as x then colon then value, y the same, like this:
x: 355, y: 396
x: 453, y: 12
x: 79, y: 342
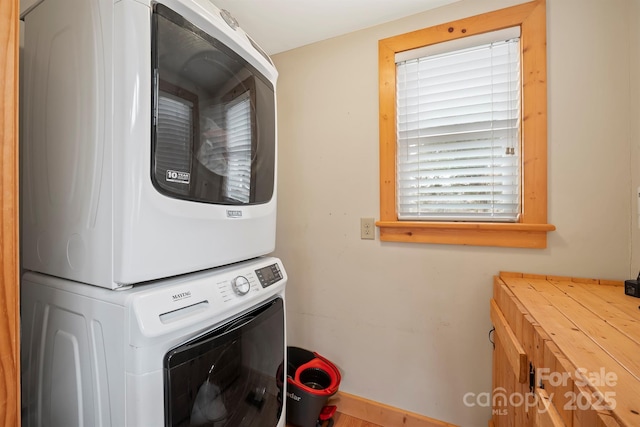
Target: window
x: 463, y: 160
x: 458, y: 127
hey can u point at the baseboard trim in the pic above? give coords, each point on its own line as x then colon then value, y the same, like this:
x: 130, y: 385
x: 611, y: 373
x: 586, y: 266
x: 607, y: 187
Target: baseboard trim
x: 381, y: 414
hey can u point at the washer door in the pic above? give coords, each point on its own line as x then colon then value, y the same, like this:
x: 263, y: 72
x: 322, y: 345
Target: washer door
x: 231, y: 376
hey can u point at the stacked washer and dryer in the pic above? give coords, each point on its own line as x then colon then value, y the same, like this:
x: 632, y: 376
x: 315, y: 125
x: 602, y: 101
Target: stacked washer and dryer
x: 148, y: 164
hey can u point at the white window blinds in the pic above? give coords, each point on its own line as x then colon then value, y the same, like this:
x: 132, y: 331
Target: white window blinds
x: 458, y: 131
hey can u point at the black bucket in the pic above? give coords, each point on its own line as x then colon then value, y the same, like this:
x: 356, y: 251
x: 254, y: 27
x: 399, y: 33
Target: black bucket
x: 311, y: 381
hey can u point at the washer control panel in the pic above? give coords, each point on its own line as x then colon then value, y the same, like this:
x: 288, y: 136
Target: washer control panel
x: 241, y: 282
x: 185, y: 300
x: 269, y: 275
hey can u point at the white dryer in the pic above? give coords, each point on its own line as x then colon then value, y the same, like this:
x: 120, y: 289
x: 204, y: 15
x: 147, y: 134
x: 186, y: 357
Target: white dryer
x: 204, y: 349
x: 149, y: 143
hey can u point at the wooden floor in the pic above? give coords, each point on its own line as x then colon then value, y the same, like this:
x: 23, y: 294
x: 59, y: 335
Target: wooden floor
x: 342, y: 420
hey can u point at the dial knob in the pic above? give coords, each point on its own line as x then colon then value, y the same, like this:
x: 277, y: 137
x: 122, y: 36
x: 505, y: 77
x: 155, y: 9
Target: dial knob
x: 240, y: 285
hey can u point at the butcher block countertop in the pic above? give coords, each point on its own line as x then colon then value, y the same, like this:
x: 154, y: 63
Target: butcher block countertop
x: 595, y: 326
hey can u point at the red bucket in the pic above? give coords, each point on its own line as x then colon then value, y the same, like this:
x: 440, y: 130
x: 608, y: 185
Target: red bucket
x: 311, y: 381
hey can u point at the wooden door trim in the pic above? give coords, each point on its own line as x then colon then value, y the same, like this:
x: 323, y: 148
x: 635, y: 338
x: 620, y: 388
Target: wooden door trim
x: 9, y: 234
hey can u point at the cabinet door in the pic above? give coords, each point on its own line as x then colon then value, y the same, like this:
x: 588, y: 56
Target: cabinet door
x: 511, y: 400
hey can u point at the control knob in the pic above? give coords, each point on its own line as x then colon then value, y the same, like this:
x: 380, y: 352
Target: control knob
x: 240, y: 285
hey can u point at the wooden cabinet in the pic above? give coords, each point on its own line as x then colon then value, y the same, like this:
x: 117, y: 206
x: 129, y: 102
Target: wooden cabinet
x: 567, y: 352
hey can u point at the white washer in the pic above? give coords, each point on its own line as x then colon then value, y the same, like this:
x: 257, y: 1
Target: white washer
x: 206, y: 348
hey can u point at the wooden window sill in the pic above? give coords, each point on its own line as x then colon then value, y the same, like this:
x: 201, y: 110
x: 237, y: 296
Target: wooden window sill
x: 512, y: 235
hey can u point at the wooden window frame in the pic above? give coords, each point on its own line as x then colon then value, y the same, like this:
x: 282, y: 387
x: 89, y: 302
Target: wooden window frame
x: 531, y: 229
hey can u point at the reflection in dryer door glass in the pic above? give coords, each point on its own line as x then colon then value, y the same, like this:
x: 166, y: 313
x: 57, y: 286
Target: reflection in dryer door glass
x: 214, y: 118
x: 231, y: 376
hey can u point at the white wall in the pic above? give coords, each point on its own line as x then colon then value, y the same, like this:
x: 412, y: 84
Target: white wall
x: 408, y: 323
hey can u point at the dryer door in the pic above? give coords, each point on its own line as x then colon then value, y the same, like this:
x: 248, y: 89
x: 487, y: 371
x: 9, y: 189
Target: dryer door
x: 231, y: 376
x: 214, y: 118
